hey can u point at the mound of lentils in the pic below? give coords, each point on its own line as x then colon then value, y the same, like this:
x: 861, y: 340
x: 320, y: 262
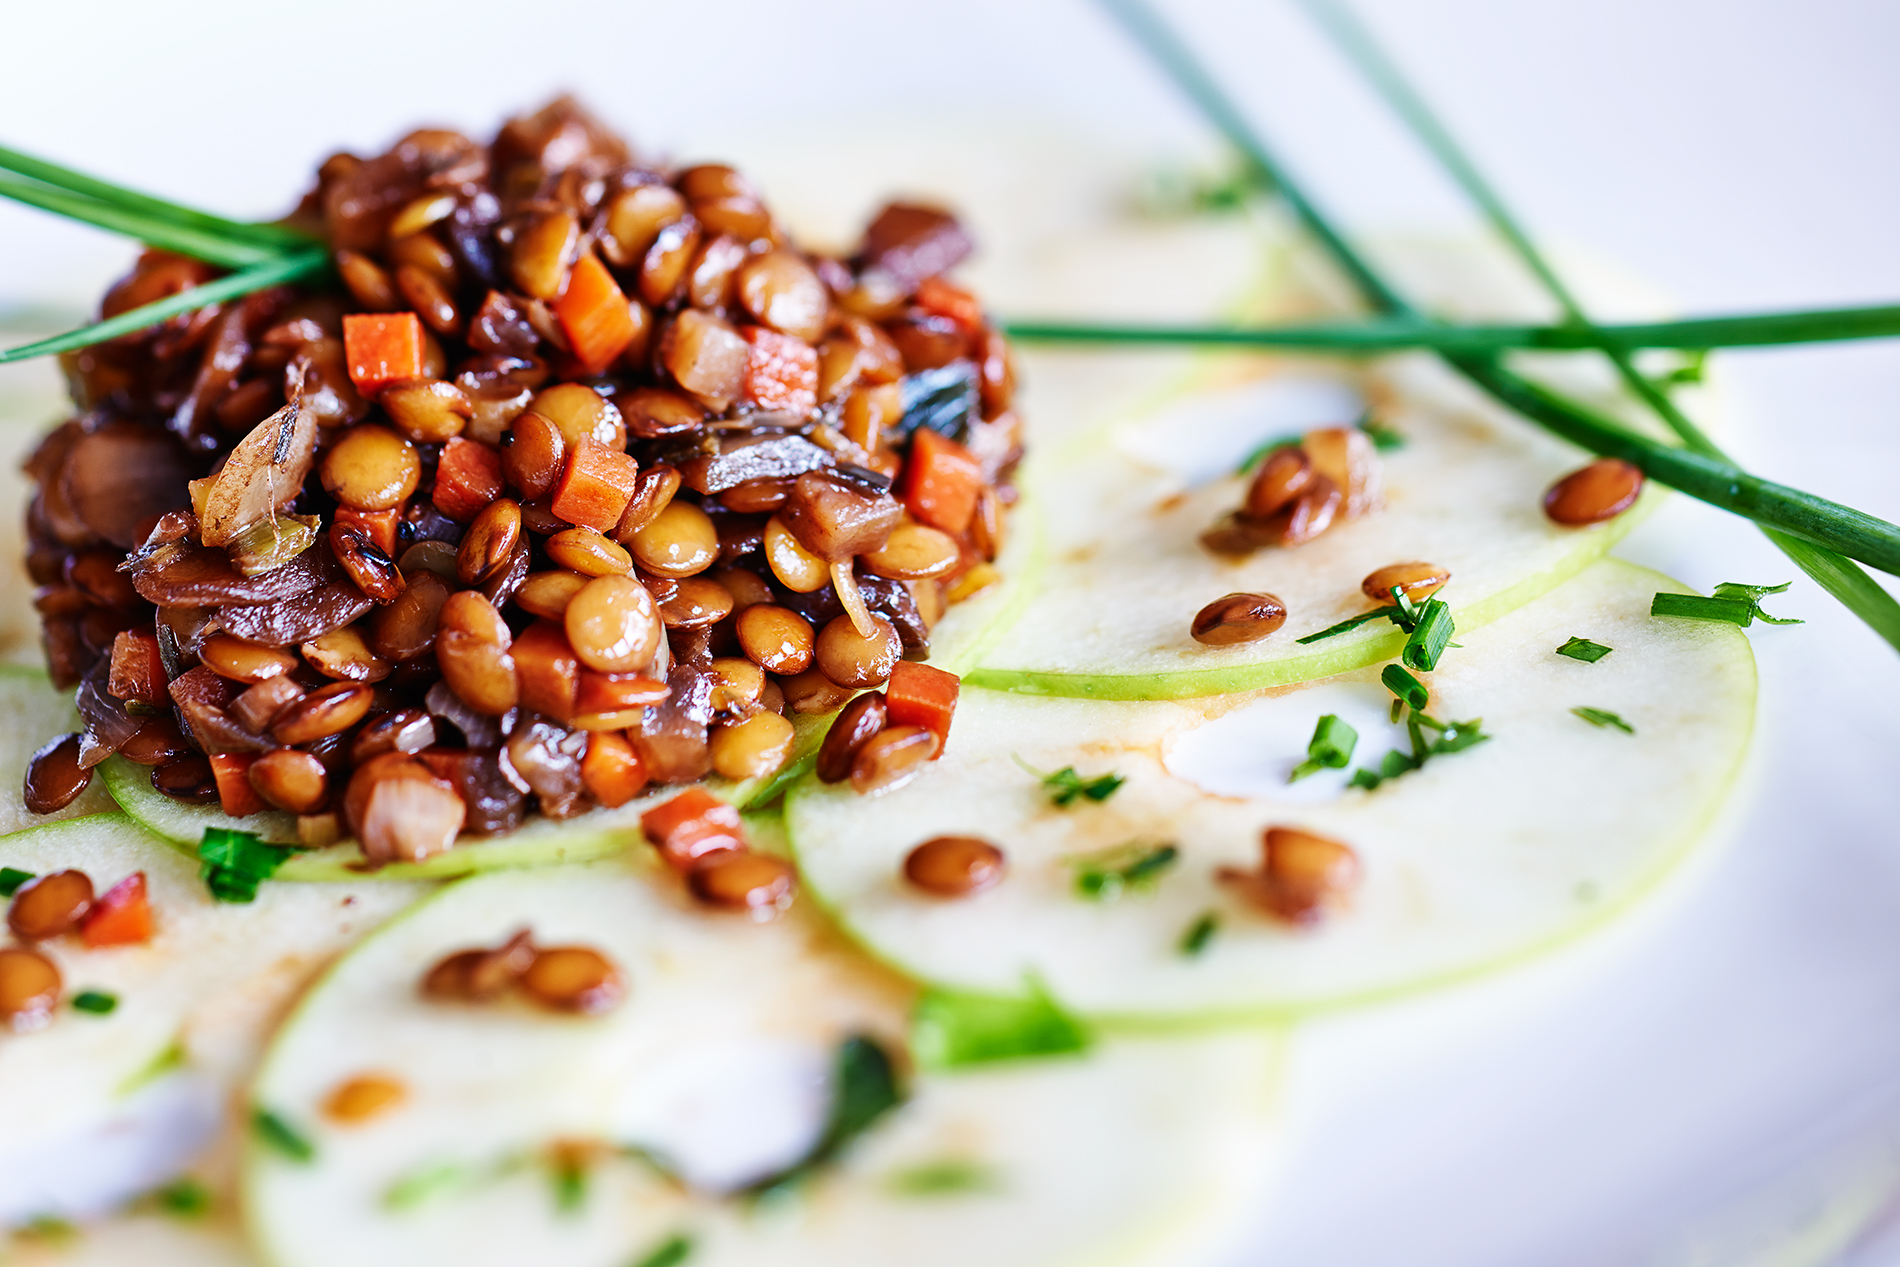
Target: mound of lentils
x: 580, y: 477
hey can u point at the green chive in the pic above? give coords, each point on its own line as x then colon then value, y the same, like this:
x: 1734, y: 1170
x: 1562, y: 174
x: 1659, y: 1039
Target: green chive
x: 1583, y: 649
x: 1259, y: 451
x: 1330, y: 748
x: 1105, y: 876
x: 1383, y: 438
x: 213, y: 248
x: 670, y: 1252
x: 1604, y: 717
x: 1695, y: 607
x: 1408, y: 688
x: 234, y: 863
x: 1066, y: 786
x: 185, y: 1198
x: 1429, y: 636
x: 11, y: 878
x: 282, y: 1137
x: 952, y: 1029
x: 1199, y: 933
x: 1377, y: 613
x: 97, y: 1002
x: 943, y: 1178
x: 1752, y: 595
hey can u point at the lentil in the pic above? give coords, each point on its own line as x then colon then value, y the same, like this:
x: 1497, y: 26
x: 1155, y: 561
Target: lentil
x: 758, y: 884
x: 29, y: 989
x: 573, y: 979
x: 50, y: 905
x: 776, y: 638
x: 855, y: 726
x: 954, y: 866
x: 612, y: 625
x: 329, y: 711
x: 752, y: 748
x: 290, y: 780
x: 1238, y: 618
x: 854, y: 660
x: 371, y: 468
x: 1415, y: 580
x: 54, y: 775
x: 1595, y: 493
x: 364, y: 1097
x: 892, y: 758
x: 680, y: 541
x: 588, y: 552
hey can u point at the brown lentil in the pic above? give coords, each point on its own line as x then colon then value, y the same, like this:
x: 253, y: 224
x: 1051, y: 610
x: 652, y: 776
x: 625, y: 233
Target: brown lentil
x: 752, y: 748
x: 406, y: 628
x: 50, y: 905
x: 738, y: 685
x: 892, y: 758
x: 573, y: 979
x: 371, y: 468
x: 373, y: 571
x: 242, y: 661
x: 364, y: 1097
x: 29, y: 989
x: 1595, y: 493
x: 612, y: 625
x: 1238, y: 618
x: 343, y: 654
x: 426, y: 410
x: 797, y: 568
x: 471, y: 647
x: 54, y: 776
x: 187, y: 779
x: 1307, y: 515
x: 581, y: 413
x: 680, y: 541
x: 851, y: 659
x: 328, y: 711
x: 746, y: 588
x: 535, y: 456
x: 1414, y: 580
x: 290, y: 780
x: 588, y: 552
x: 653, y: 491
x: 695, y: 603
x: 489, y: 543
x: 157, y: 740
x: 855, y: 726
x: 775, y: 638
x: 740, y: 880
x: 914, y: 553
x: 548, y: 593
x: 954, y: 866
x: 812, y: 694
x: 1283, y: 475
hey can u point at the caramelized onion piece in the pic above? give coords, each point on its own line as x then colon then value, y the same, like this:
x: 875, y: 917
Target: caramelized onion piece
x: 120, y: 477
x: 261, y: 477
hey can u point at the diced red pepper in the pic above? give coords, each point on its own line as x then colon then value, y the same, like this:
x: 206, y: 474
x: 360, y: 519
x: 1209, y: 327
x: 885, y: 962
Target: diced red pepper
x: 123, y: 917
x: 938, y: 296
x: 383, y: 526
x: 236, y: 796
x: 467, y: 479
x: 596, y: 486
x: 919, y: 695
x: 548, y: 670
x: 594, y: 313
x: 780, y: 372
x: 940, y: 481
x: 690, y: 826
x: 381, y: 347
x: 612, y: 771
x: 138, y: 671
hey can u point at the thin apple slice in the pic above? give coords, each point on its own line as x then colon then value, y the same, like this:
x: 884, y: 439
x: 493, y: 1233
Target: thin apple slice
x: 1479, y: 858
x: 98, y: 1107
x: 718, y: 1060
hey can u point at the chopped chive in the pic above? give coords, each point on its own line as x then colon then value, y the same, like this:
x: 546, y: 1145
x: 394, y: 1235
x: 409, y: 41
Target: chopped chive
x: 1199, y: 933
x: 97, y: 1002
x: 1604, y: 717
x: 864, y: 1087
x: 1377, y: 613
x: 670, y: 1252
x: 281, y: 1136
x: 943, y: 1178
x: 185, y: 1198
x: 1105, y: 876
x: 1066, y: 786
x: 11, y: 878
x: 1695, y: 607
x: 1383, y: 438
x: 1429, y: 636
x: 234, y: 863
x: 1330, y: 748
x: 1583, y: 649
x: 952, y: 1029
x: 424, y: 1185
x: 1752, y: 595
x: 569, y: 1176
x: 1409, y: 689
x: 1259, y: 451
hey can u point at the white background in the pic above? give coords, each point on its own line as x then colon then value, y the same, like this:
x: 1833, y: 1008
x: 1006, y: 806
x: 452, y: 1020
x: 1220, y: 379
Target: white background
x: 1722, y: 1083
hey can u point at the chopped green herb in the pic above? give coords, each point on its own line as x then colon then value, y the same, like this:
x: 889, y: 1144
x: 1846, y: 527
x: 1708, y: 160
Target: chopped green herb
x: 97, y: 1002
x: 943, y: 1178
x: 1694, y: 365
x: 420, y: 1186
x: 1429, y: 636
x: 185, y: 1198
x: 1065, y: 785
x: 568, y: 1173
x: 282, y: 1136
x: 234, y: 863
x: 1106, y: 875
x: 1731, y: 603
x: 11, y: 878
x: 1346, y: 626
x: 1451, y: 736
x: 171, y: 1058
x: 1383, y: 438
x: 953, y: 1028
x: 1604, y: 717
x: 1330, y: 748
x: 1199, y: 933
x: 1405, y: 686
x: 1583, y: 649
x: 863, y: 1088
x: 1258, y: 453
x: 670, y: 1252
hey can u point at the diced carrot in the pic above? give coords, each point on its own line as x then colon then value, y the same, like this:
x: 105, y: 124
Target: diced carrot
x: 934, y: 294
x: 548, y: 669
x: 690, y: 826
x: 467, y: 479
x: 611, y: 692
x: 919, y: 695
x: 595, y: 315
x: 596, y: 486
x: 123, y: 917
x: 940, y: 481
x: 383, y: 526
x: 138, y: 671
x: 612, y: 771
x: 780, y: 372
x: 236, y: 796
x: 381, y: 347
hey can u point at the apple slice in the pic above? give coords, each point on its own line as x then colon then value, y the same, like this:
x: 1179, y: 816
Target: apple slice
x: 1478, y: 858
x: 100, y: 1106
x: 718, y: 1061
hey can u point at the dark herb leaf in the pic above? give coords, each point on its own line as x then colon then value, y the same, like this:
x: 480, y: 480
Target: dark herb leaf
x: 185, y: 1198
x: 11, y: 878
x: 1604, y: 717
x: 1583, y: 649
x: 863, y: 1089
x: 1199, y: 933
x: 1330, y: 748
x: 97, y: 1002
x: 234, y: 863
x: 1065, y: 785
x: 670, y: 1252
x: 951, y: 1028
x: 281, y: 1136
x: 1105, y: 876
x: 1383, y: 438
